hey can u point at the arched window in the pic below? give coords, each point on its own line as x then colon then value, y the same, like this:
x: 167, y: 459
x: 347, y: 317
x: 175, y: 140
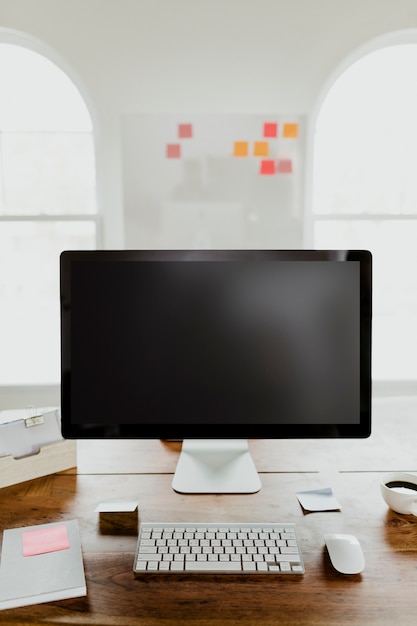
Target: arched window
x: 365, y: 192
x: 47, y: 204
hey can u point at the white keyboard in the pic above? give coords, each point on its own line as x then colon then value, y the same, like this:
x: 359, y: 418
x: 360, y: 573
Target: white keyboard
x: 218, y: 548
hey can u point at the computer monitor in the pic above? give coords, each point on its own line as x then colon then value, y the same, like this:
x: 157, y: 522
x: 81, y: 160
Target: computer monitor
x: 216, y: 347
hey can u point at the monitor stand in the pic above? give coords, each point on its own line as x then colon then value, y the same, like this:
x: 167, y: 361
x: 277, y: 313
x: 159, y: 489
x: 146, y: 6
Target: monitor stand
x: 216, y: 466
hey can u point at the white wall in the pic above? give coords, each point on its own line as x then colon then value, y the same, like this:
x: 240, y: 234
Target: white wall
x: 197, y: 56
x: 201, y: 56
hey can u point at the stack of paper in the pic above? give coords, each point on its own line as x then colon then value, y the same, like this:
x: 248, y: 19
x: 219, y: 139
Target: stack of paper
x: 24, y: 431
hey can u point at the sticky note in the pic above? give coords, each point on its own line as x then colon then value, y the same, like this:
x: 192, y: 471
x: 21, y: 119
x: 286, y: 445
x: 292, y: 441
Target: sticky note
x: 261, y: 148
x: 173, y: 151
x: 318, y: 500
x: 267, y: 167
x: 45, y: 540
x: 270, y: 129
x: 185, y: 131
x: 241, y: 149
x: 116, y: 506
x: 284, y: 166
x: 290, y: 131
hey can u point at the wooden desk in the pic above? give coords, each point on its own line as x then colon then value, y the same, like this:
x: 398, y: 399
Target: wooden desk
x: 384, y: 594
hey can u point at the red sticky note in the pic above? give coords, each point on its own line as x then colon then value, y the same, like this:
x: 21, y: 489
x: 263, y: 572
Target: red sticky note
x: 285, y: 166
x: 185, y: 131
x: 173, y: 151
x: 267, y: 167
x: 270, y: 129
x: 45, y: 540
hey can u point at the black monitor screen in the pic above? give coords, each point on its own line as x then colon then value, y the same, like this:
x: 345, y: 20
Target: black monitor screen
x: 216, y: 344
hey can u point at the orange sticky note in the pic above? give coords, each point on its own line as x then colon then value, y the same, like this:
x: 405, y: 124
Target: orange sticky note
x: 290, y: 131
x: 261, y: 148
x: 241, y: 149
x: 45, y: 540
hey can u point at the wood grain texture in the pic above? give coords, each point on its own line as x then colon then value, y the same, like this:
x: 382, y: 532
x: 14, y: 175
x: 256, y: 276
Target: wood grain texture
x: 51, y: 458
x: 385, y: 593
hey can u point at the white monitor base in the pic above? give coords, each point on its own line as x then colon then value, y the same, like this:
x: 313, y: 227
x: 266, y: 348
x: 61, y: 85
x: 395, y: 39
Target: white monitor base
x: 216, y: 466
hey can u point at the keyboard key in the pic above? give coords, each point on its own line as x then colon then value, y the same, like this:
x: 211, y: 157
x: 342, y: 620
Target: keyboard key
x: 148, y: 549
x: 291, y: 558
x: 212, y: 566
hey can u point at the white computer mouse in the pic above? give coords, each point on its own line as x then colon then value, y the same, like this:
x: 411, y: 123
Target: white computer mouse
x: 345, y: 553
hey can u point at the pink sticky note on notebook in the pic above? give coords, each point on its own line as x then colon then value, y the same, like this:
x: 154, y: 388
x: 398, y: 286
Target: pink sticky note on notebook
x: 45, y: 540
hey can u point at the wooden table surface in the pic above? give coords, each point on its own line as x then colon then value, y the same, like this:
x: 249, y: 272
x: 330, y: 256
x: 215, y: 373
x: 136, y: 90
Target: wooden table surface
x: 385, y: 593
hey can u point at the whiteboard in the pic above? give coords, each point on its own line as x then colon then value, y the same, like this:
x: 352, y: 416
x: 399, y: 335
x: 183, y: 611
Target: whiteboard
x: 213, y: 181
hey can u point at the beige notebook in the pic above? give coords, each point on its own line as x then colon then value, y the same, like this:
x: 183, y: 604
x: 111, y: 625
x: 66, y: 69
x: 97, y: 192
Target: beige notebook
x: 41, y: 564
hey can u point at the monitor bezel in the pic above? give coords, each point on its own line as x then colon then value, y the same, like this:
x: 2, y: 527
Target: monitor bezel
x: 361, y: 429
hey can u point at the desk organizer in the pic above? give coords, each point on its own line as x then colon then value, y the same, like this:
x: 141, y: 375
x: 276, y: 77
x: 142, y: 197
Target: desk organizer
x: 51, y: 458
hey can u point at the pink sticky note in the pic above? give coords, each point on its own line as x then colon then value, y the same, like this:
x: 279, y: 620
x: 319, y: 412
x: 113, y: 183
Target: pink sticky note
x: 185, y: 131
x: 45, y: 540
x: 285, y: 166
x: 173, y: 151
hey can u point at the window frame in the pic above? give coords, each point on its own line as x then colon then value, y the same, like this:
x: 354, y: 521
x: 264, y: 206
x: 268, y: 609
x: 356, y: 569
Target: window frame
x: 48, y: 394
x: 401, y: 37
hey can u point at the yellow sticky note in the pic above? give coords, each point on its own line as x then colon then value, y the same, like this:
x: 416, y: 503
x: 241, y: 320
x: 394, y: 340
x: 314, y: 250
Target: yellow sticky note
x: 290, y: 130
x: 261, y: 148
x: 241, y: 149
